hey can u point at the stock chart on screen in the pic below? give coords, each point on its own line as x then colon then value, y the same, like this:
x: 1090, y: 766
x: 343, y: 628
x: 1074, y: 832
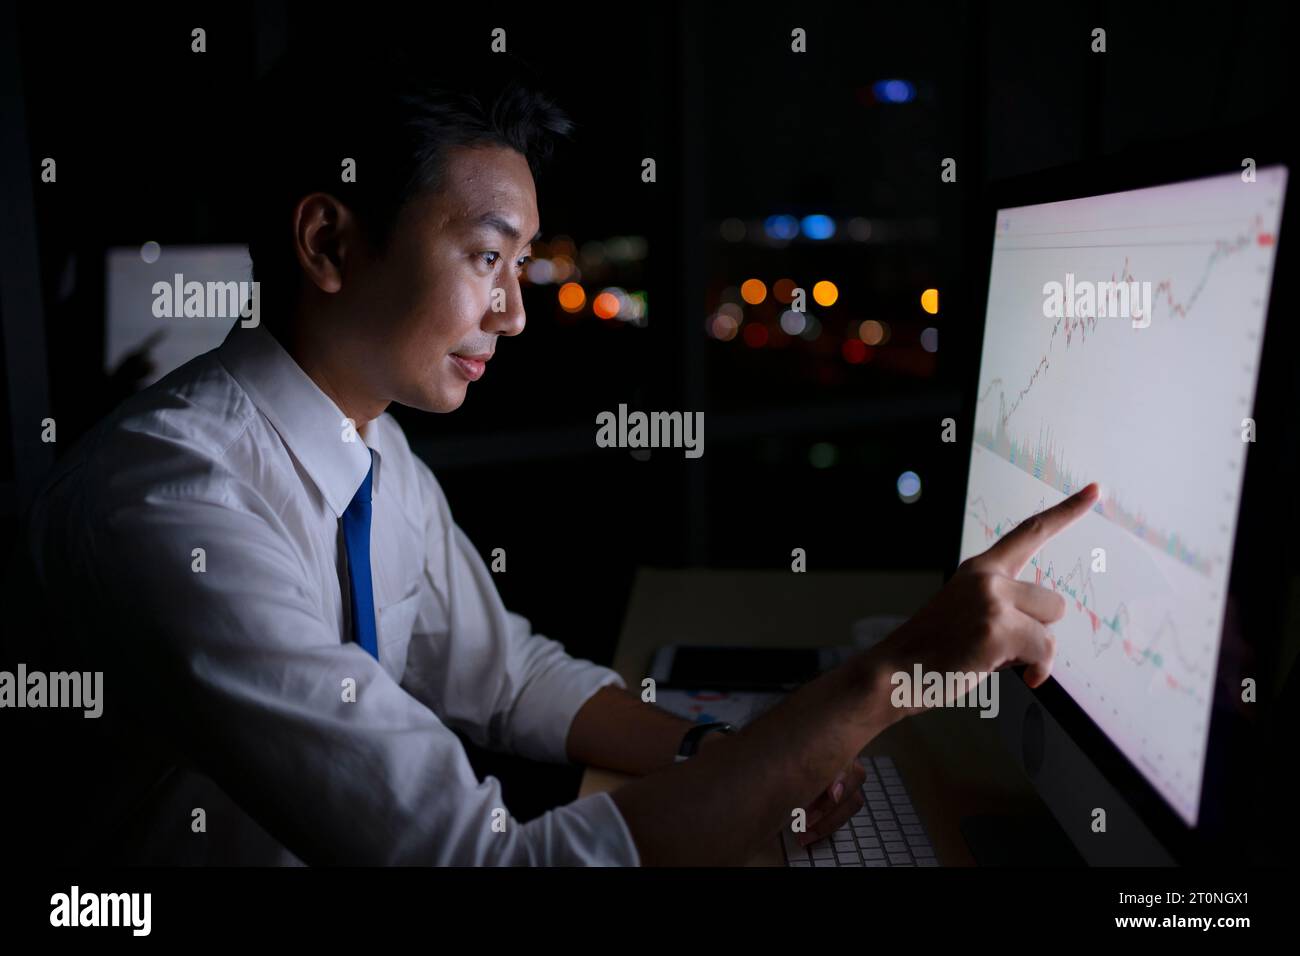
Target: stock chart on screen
x: 1122, y: 340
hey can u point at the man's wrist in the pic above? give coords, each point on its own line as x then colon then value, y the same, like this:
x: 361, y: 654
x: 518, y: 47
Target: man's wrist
x: 698, y: 735
x: 711, y: 740
x: 870, y: 678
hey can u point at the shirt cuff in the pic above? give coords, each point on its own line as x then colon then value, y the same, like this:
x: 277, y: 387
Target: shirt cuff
x: 595, y: 834
x: 544, y: 714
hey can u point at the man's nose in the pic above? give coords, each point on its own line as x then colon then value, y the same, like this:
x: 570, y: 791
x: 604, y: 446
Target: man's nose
x: 505, y: 315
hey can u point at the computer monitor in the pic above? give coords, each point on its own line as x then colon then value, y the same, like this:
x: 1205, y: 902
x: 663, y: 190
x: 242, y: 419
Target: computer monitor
x: 138, y: 279
x: 1122, y: 342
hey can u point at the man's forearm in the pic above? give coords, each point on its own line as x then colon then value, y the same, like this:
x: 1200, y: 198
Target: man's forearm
x: 614, y: 729
x: 721, y: 806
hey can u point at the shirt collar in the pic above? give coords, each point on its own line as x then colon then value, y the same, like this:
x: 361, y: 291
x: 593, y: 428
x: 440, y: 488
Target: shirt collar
x: 306, y: 419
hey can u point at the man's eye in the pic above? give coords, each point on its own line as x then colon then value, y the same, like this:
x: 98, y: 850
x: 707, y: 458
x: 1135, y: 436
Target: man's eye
x: 490, y: 257
x: 523, y: 263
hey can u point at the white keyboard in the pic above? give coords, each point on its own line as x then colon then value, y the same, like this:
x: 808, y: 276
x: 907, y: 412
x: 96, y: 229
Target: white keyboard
x: 886, y: 831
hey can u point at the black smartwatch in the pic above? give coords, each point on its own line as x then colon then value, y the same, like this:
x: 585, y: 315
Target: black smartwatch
x: 691, y: 739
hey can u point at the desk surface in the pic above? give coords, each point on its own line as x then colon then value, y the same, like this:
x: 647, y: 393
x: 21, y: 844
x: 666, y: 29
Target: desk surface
x: 952, y: 766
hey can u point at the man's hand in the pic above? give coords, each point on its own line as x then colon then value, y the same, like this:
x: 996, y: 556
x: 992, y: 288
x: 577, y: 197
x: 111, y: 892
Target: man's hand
x: 835, y: 804
x: 984, y: 619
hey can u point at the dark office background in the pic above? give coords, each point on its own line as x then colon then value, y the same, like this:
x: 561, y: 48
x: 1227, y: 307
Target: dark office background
x: 807, y: 436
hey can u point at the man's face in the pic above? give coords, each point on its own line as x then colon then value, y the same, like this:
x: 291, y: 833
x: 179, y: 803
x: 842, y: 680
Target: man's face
x: 429, y: 300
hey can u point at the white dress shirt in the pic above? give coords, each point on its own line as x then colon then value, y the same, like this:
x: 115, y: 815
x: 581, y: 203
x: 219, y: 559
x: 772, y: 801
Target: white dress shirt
x: 224, y: 688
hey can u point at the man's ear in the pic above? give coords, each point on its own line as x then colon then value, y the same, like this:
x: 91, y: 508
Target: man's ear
x: 323, y: 236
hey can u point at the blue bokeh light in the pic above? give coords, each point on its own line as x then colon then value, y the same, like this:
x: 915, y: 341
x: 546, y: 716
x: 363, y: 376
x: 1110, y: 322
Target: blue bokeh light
x: 818, y: 226
x: 909, y: 486
x: 781, y: 227
x: 893, y: 91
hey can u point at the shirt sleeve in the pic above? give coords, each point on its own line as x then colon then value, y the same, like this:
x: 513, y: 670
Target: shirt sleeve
x: 480, y: 666
x: 311, y: 736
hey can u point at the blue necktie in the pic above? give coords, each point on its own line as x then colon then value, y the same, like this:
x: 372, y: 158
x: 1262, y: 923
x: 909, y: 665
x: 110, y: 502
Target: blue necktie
x: 356, y: 540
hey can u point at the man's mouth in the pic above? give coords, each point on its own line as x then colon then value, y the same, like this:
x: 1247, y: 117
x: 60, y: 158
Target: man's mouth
x: 471, y: 366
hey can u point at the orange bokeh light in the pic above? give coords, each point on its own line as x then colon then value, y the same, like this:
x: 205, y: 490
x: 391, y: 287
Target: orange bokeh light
x: 825, y: 293
x: 605, y: 305
x: 572, y: 297
x: 753, y: 291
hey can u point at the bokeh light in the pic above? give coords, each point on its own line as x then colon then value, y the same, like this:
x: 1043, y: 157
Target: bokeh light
x: 909, y: 486
x: 753, y: 291
x: 572, y: 297
x: 893, y: 91
x: 871, y: 332
x: 540, y: 271
x: 723, y: 327
x: 605, y: 305
x: 781, y: 227
x: 818, y: 227
x: 825, y: 293
x: 854, y: 352
x: 561, y: 268
x: 638, y: 308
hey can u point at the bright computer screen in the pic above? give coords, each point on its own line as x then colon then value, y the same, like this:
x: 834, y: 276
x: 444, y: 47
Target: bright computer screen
x: 140, y: 279
x: 1122, y: 340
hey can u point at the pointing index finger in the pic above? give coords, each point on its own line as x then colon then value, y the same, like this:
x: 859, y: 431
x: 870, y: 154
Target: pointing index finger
x: 1013, y: 551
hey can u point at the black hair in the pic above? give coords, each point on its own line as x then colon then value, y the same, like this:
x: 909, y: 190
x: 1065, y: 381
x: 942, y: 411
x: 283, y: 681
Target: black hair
x: 397, y: 120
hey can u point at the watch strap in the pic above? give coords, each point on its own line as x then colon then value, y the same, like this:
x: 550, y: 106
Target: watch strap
x: 690, y: 744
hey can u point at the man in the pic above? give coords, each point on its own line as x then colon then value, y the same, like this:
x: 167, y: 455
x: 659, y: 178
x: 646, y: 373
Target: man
x: 290, y: 621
